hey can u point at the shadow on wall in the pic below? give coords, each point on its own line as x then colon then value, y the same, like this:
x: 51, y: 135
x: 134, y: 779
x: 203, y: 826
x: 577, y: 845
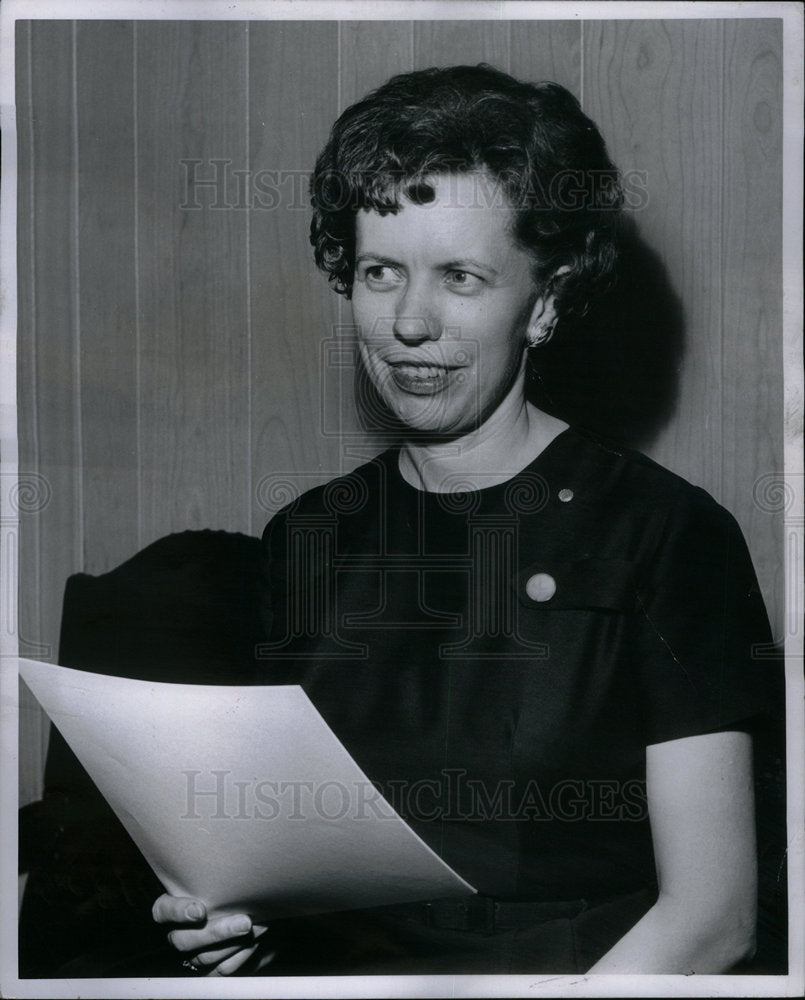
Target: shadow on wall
x: 614, y: 371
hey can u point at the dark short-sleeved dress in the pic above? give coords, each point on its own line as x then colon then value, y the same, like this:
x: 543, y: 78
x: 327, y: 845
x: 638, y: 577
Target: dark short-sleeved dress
x: 497, y: 661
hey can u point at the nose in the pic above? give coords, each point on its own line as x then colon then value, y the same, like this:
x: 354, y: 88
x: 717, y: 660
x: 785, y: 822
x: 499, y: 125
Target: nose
x: 414, y: 320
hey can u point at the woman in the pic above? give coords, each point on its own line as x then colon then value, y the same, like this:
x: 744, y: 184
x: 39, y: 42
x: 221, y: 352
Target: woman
x: 545, y: 636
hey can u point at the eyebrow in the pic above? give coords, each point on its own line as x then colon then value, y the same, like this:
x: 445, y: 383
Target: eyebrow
x: 465, y: 262
x: 460, y: 264
x: 377, y: 259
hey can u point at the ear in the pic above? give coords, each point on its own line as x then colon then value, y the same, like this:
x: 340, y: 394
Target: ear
x: 543, y: 314
x: 542, y: 320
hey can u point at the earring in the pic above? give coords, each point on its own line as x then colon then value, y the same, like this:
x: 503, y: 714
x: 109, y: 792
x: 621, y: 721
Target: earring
x: 542, y: 334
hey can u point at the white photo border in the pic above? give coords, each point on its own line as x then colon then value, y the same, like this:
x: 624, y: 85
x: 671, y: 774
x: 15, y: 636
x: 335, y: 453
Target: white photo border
x: 420, y: 986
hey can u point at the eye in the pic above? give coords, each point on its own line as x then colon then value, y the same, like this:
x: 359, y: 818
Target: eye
x: 463, y: 282
x: 379, y: 276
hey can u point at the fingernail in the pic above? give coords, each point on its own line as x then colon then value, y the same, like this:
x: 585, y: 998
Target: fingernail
x: 194, y: 912
x: 242, y: 925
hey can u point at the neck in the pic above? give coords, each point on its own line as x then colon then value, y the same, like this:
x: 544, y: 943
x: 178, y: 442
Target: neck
x: 502, y: 446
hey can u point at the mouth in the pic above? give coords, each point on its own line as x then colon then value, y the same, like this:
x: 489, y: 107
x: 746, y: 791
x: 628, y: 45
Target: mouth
x: 421, y: 379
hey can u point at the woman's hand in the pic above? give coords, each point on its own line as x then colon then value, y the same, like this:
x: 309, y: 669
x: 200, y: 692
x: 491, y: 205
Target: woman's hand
x: 216, y: 947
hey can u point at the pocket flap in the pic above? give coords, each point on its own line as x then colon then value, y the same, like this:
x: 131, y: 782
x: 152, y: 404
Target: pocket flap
x: 592, y: 582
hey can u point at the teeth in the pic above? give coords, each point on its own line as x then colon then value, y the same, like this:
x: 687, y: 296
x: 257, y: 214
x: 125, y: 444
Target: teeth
x: 422, y: 371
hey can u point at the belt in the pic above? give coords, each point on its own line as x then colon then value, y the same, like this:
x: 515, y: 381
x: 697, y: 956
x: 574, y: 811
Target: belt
x: 485, y: 914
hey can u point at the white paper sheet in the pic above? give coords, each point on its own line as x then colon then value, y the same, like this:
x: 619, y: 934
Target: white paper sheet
x: 240, y: 796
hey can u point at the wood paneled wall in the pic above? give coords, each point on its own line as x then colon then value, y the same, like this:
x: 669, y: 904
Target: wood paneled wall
x: 173, y: 364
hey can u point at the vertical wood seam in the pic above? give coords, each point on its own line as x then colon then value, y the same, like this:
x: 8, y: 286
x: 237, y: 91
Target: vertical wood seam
x: 35, y: 457
x: 137, y: 330
x: 581, y: 64
x: 34, y: 416
x: 339, y: 305
x: 247, y: 236
x: 722, y: 166
x: 338, y: 65
x: 79, y: 452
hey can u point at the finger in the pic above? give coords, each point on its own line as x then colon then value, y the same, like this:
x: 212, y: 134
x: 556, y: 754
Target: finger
x: 206, y: 959
x: 178, y: 910
x: 209, y: 958
x: 214, y: 932
x: 230, y: 965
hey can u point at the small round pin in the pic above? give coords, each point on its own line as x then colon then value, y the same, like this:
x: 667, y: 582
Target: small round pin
x: 540, y: 587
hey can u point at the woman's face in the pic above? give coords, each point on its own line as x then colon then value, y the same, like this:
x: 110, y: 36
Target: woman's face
x: 442, y: 299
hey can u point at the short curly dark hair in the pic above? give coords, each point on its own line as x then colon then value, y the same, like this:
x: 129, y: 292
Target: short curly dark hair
x: 532, y: 140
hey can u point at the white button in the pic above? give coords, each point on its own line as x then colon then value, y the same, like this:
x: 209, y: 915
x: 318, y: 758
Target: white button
x: 565, y: 495
x: 540, y: 587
